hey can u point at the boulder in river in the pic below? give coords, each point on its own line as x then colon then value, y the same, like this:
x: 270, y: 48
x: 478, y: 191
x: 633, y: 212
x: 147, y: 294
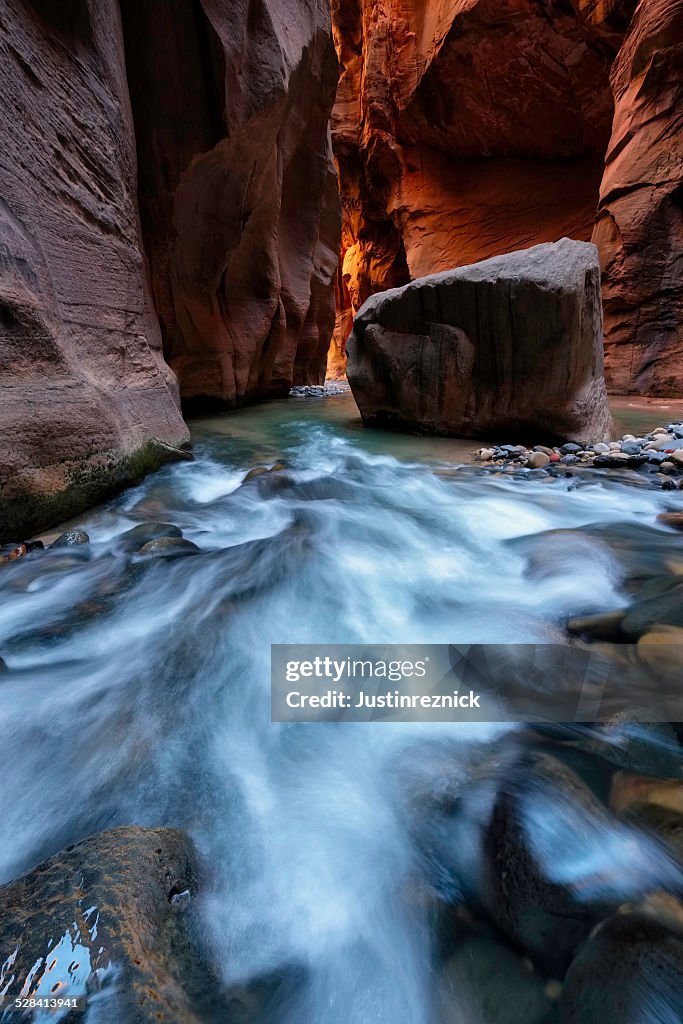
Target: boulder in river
x: 486, y: 981
x: 70, y: 539
x: 512, y: 344
x: 528, y: 888
x: 143, y: 533
x: 105, y: 912
x: 630, y: 971
x: 168, y: 547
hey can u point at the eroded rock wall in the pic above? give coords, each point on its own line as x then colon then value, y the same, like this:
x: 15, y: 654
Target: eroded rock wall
x: 464, y: 129
x: 468, y: 128
x: 238, y: 188
x: 639, y: 228
x: 85, y: 394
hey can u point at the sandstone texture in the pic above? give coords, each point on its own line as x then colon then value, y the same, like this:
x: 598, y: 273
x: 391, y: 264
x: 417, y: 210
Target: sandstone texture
x: 639, y: 228
x: 238, y: 190
x: 512, y: 344
x: 167, y: 189
x: 468, y: 128
x: 87, y: 403
x: 112, y: 911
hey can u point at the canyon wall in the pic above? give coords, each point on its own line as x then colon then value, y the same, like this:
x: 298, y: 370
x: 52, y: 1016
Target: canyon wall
x: 166, y: 188
x: 468, y: 128
x: 238, y: 190
x: 87, y: 403
x: 639, y: 228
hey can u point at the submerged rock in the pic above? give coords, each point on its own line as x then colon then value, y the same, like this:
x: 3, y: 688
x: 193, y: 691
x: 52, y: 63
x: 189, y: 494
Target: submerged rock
x: 102, y: 912
x: 71, y: 539
x: 512, y: 344
x: 542, y: 914
x: 484, y: 981
x: 12, y: 552
x: 630, y: 971
x: 169, y: 547
x: 665, y: 608
x: 138, y: 536
x: 605, y: 626
x: 674, y: 519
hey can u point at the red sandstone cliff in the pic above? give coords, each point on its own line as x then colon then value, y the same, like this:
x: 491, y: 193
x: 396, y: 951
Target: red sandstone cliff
x: 639, y: 229
x: 226, y: 252
x: 467, y: 128
x: 84, y: 390
x: 239, y: 198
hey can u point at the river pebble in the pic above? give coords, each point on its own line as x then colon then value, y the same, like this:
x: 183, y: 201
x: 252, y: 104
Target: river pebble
x: 327, y: 390
x: 658, y: 454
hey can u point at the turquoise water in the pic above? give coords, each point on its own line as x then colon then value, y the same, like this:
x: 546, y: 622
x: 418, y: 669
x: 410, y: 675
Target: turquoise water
x: 139, y: 692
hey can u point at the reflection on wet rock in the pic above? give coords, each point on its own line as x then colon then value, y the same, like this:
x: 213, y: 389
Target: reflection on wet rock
x: 168, y: 547
x: 137, y: 536
x: 70, y: 539
x: 100, y: 914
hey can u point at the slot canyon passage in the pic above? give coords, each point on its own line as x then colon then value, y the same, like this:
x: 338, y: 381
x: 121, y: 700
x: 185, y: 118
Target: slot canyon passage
x: 213, y: 214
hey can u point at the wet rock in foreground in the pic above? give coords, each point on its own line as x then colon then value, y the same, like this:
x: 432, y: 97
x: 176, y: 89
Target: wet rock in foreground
x: 540, y: 915
x: 630, y: 971
x: 485, y: 981
x: 112, y: 910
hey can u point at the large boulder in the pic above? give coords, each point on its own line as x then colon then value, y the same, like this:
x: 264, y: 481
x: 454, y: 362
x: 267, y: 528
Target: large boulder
x: 110, y: 913
x: 512, y: 345
x: 87, y: 403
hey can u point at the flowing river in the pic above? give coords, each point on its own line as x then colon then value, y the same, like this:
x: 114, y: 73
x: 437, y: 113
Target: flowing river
x: 139, y: 692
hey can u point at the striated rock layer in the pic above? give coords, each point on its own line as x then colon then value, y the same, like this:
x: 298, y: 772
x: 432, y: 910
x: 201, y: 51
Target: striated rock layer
x: 226, y: 153
x: 85, y: 395
x: 639, y: 228
x: 468, y: 128
x: 239, y: 197
x: 512, y: 346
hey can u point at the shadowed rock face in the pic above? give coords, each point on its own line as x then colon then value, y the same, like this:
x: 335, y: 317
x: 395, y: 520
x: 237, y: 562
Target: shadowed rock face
x: 639, y: 228
x: 84, y: 390
x: 239, y: 197
x: 513, y: 345
x: 468, y: 128
x: 112, y: 910
x: 239, y: 213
